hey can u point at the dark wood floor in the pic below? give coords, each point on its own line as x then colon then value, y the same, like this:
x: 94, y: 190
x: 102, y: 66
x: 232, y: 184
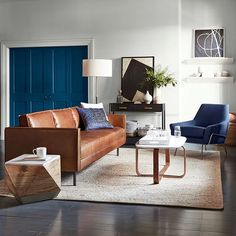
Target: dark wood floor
x: 84, y: 218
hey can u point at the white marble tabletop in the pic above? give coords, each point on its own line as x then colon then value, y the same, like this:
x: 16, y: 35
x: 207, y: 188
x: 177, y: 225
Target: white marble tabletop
x: 31, y: 159
x: 175, y: 142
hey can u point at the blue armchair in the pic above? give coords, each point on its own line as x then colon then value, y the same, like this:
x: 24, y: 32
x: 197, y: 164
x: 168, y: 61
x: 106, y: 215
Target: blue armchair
x: 209, y: 126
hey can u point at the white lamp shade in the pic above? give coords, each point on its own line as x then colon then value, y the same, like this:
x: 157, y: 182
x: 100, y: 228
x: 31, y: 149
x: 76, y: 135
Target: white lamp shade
x: 97, y: 67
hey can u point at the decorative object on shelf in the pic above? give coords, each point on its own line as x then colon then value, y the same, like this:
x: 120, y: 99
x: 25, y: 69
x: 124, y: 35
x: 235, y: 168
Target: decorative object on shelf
x: 225, y: 73
x: 149, y: 126
x: 157, y: 79
x: 132, y: 74
x: 207, y: 74
x: 131, y: 128
x: 157, y: 95
x: 119, y: 98
x: 209, y: 42
x: 147, y: 97
x: 161, y: 137
x: 142, y: 131
x: 97, y: 68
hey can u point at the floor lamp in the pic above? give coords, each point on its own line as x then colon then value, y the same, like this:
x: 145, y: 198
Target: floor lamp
x: 97, y: 68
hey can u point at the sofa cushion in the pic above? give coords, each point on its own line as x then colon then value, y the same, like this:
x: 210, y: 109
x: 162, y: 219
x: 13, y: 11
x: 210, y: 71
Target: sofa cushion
x: 42, y: 119
x: 64, y: 118
x: 94, y: 141
x: 192, y: 131
x: 93, y: 105
x: 94, y: 118
x: 75, y: 116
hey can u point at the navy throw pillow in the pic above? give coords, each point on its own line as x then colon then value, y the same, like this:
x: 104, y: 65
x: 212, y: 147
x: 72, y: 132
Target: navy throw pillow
x: 94, y: 118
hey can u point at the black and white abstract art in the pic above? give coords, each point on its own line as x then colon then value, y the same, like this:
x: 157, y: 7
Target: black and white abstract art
x: 209, y: 42
x: 132, y: 76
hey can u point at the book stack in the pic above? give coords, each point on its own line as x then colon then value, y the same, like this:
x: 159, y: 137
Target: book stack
x: 156, y: 137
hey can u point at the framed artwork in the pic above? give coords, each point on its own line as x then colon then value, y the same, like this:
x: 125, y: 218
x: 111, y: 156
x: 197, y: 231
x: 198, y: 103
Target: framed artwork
x: 209, y: 42
x: 132, y: 76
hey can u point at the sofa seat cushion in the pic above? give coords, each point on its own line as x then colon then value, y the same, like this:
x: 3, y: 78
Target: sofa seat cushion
x: 93, y: 141
x: 192, y: 131
x: 42, y: 119
x: 64, y: 118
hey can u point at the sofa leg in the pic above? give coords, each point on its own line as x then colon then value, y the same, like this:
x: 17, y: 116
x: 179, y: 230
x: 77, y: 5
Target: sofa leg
x: 117, y: 152
x: 74, y: 178
x: 175, y: 152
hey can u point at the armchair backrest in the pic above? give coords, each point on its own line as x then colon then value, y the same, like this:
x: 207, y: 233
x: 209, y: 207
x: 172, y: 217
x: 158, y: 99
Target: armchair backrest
x: 209, y: 114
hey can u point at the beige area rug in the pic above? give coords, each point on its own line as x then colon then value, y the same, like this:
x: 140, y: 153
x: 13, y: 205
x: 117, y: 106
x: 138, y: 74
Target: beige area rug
x: 113, y: 179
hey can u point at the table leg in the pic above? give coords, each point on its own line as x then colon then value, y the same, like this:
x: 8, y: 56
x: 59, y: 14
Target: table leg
x: 179, y: 176
x: 167, y: 151
x: 136, y: 166
x: 156, y: 166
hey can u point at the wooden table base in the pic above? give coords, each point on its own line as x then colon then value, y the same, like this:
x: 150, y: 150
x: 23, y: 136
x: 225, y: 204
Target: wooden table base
x: 157, y: 175
x: 31, y: 181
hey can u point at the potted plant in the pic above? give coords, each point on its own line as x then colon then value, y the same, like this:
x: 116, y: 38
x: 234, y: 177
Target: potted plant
x: 157, y: 79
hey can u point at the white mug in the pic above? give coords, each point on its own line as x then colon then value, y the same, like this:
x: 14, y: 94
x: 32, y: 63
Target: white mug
x: 40, y: 152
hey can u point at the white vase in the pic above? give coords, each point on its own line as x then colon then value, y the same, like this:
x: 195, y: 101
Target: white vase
x: 156, y: 95
x: 147, y: 98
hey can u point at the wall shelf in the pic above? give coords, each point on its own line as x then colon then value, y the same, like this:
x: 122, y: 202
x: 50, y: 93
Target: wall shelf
x: 209, y: 61
x: 209, y: 79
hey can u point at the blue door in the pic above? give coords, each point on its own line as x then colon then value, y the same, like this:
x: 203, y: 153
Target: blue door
x: 46, y: 78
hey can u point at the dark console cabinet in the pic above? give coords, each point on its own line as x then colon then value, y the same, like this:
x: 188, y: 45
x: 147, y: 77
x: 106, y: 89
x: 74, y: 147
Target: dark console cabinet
x: 131, y: 107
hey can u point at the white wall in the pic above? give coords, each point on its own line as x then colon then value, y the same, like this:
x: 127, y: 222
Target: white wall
x: 207, y: 14
x: 129, y: 28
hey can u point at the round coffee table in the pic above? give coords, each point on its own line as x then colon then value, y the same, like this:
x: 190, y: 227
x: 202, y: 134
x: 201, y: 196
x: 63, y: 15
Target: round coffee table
x: 175, y: 142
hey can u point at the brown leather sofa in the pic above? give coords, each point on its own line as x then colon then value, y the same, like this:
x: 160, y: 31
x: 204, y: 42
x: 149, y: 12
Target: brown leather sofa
x: 60, y: 131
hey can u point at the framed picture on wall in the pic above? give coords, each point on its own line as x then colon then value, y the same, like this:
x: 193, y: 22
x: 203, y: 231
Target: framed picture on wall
x: 133, y: 71
x: 209, y: 42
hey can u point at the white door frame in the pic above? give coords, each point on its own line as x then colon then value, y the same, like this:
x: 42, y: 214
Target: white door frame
x: 5, y: 68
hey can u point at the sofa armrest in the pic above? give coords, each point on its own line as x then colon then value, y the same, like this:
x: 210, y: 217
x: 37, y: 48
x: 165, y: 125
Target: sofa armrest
x: 118, y: 120
x: 62, y: 141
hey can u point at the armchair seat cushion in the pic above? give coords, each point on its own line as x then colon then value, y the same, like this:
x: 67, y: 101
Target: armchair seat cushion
x: 193, y: 131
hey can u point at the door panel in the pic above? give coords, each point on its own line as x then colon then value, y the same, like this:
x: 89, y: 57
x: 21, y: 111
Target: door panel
x: 60, y: 71
x: 46, y: 78
x: 36, y: 72
x: 19, y: 72
x: 19, y: 107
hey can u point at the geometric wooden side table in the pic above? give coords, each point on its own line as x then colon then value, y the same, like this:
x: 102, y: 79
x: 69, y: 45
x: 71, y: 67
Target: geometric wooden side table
x: 33, y: 180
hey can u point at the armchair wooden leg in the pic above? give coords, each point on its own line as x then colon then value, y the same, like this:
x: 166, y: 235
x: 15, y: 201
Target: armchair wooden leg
x: 74, y: 178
